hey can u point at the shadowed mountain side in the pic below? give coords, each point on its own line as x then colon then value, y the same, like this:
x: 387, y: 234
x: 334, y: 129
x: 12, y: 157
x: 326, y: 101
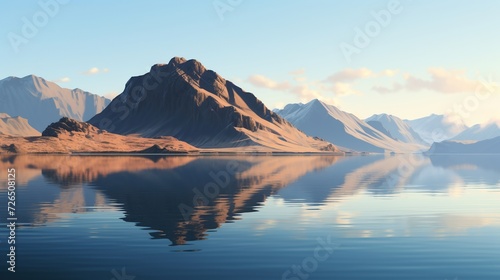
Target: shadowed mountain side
x: 185, y: 100
x: 378, y: 126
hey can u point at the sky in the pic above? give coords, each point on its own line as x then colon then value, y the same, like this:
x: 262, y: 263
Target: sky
x: 405, y: 58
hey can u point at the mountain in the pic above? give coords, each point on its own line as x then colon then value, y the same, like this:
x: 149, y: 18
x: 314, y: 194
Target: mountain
x: 341, y: 128
x: 435, y: 128
x: 16, y: 126
x: 479, y: 132
x: 43, y: 102
x: 396, y: 128
x: 490, y: 146
x: 185, y: 100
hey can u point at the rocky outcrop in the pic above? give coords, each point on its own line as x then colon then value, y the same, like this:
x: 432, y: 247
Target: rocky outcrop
x: 157, y: 149
x: 67, y: 125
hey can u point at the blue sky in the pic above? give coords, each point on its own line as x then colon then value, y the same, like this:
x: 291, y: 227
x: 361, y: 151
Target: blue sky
x: 428, y: 57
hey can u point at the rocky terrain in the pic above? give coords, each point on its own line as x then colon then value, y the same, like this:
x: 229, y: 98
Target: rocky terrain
x: 71, y: 136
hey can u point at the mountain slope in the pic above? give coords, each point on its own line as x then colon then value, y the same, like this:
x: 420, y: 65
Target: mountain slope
x: 16, y: 126
x: 479, y: 132
x: 397, y: 128
x: 490, y: 146
x: 341, y: 128
x: 380, y: 127
x: 435, y: 128
x: 185, y: 100
x: 43, y: 102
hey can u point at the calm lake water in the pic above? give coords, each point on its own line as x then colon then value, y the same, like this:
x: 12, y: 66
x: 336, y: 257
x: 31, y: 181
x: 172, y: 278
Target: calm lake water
x: 279, y: 217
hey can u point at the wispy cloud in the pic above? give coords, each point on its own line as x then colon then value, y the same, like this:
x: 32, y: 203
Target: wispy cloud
x: 304, y: 89
x: 62, y: 80
x: 307, y: 92
x: 441, y: 80
x: 351, y: 75
x: 298, y: 72
x: 342, y: 89
x: 95, y: 70
x: 265, y: 82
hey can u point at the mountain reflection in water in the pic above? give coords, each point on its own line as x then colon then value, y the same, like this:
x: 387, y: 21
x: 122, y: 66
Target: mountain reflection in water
x: 180, y: 198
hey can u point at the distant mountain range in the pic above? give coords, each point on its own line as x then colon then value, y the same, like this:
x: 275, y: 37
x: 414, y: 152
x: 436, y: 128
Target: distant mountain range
x: 43, y: 102
x: 185, y: 100
x: 479, y: 133
x: 435, y: 128
x: 342, y: 129
x: 201, y: 111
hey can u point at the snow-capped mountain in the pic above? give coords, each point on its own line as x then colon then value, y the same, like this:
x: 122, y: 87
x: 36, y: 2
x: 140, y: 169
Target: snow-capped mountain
x: 185, y: 100
x: 436, y: 128
x: 396, y: 128
x: 16, y: 126
x: 340, y: 128
x: 479, y: 132
x: 43, y: 102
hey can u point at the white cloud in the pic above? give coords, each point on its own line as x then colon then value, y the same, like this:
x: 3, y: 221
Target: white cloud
x: 265, y: 82
x: 279, y: 105
x: 351, y: 75
x: 304, y: 89
x: 348, y: 75
x: 441, y: 80
x: 62, y: 80
x: 95, y: 70
x: 389, y: 72
x: 343, y: 89
x: 308, y: 92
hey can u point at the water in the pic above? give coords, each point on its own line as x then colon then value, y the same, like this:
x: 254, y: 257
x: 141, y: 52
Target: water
x: 281, y: 217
